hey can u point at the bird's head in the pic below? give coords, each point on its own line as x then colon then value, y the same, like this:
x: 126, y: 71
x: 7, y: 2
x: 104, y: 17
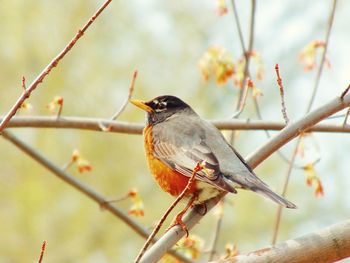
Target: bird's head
x: 163, y: 107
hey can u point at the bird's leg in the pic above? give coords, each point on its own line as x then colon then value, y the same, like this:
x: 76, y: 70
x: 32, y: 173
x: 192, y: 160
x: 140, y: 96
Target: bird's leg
x: 178, y: 218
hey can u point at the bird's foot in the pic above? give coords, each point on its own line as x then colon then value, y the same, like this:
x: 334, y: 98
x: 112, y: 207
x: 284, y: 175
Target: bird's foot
x: 178, y: 221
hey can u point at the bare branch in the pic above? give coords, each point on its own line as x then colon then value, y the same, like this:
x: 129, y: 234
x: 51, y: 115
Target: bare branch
x: 346, y: 117
x: 326, y: 245
x: 323, y: 58
x: 130, y: 92
x: 345, y: 92
x: 247, y: 53
x: 284, y: 191
x: 219, y: 218
x: 27, y: 91
x: 238, y: 25
x: 93, y: 124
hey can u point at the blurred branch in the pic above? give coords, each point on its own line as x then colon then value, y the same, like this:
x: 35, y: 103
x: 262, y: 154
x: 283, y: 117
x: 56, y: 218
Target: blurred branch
x: 216, y: 233
x: 84, y: 189
x: 94, y: 124
x: 346, y: 117
x: 27, y: 91
x: 312, y: 98
x: 130, y: 92
x: 287, y: 134
x: 238, y: 25
x: 278, y: 216
x: 326, y: 245
x: 348, y: 111
x: 323, y: 58
x: 247, y: 53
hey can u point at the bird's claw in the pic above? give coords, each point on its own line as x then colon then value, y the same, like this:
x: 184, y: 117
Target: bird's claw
x: 178, y: 221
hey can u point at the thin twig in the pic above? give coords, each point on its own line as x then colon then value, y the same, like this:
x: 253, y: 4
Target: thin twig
x: 166, y: 214
x: 60, y: 107
x: 323, y: 58
x: 84, y: 189
x: 26, y: 93
x: 277, y: 222
x: 287, y: 134
x: 346, y: 117
x: 43, y: 246
x: 212, y: 250
x: 24, y: 83
x: 67, y: 165
x: 93, y: 124
x: 130, y: 92
x: 280, y: 85
x: 238, y: 25
x: 268, y: 135
x: 309, y: 106
x: 247, y: 54
x: 345, y: 92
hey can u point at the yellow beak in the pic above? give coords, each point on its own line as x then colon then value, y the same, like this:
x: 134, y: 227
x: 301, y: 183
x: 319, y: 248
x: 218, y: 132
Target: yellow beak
x: 142, y: 105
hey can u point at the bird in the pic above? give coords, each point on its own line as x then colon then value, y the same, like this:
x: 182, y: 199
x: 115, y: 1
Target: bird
x: 177, y: 139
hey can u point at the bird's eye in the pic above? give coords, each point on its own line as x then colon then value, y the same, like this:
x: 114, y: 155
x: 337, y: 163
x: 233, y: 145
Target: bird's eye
x: 161, y: 105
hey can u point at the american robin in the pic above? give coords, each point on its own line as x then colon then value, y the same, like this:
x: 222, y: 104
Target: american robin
x: 176, y: 140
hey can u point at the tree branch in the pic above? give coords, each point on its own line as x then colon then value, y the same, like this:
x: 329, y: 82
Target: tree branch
x: 327, y: 245
x: 247, y: 54
x: 130, y: 92
x: 94, y: 124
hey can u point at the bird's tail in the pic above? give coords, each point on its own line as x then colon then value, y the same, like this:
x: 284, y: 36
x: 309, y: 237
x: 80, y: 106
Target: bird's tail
x: 267, y: 192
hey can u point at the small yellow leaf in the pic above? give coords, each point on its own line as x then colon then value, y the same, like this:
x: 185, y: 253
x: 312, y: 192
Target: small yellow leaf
x: 308, y: 54
x: 26, y: 106
x: 137, y: 208
x: 190, y: 246
x: 216, y: 62
x: 83, y: 165
x: 230, y: 251
x: 55, y: 104
x: 221, y: 7
x: 312, y: 178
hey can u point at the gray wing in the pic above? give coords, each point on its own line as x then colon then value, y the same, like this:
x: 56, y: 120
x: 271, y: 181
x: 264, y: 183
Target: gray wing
x: 182, y: 149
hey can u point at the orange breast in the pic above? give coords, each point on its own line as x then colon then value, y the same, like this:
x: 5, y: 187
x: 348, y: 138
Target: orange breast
x: 170, y: 181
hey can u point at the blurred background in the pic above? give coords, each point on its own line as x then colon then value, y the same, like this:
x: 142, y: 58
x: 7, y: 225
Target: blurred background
x: 164, y: 41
